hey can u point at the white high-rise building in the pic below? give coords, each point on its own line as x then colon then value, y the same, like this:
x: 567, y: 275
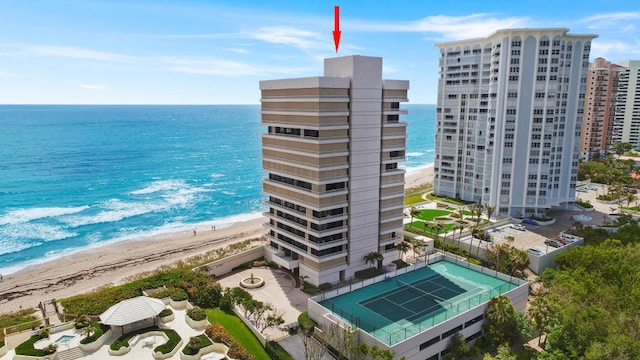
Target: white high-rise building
x: 626, y: 126
x: 510, y: 110
x: 331, y: 153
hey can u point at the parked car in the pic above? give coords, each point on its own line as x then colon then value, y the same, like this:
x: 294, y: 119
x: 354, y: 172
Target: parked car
x: 633, y: 191
x: 519, y: 227
x: 582, y: 189
x: 554, y: 243
x: 535, y: 251
x: 562, y: 240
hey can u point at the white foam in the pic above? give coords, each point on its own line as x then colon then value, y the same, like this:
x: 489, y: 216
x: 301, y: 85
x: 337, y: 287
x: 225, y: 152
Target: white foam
x: 415, y: 153
x: 26, y: 215
x: 162, y: 185
x: 40, y: 232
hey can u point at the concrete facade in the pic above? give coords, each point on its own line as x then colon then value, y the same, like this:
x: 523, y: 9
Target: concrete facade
x: 331, y: 153
x: 597, y: 126
x: 509, y: 117
x: 627, y: 112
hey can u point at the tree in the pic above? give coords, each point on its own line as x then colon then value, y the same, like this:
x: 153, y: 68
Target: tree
x: 457, y: 347
x: 273, y: 320
x: 542, y: 311
x: 489, y: 209
x: 500, y: 325
x: 414, y: 212
x: 402, y: 247
x: 373, y: 258
x: 631, y: 198
x: 622, y: 148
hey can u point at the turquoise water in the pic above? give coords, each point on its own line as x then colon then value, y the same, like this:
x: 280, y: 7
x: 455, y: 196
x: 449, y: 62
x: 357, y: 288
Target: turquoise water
x: 65, y: 339
x: 74, y: 177
x: 392, y: 314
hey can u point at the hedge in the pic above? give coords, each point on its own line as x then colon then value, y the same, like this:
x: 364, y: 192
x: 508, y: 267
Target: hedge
x: 174, y: 339
x: 165, y: 313
x: 195, y: 344
x: 99, y: 330
x: 197, y: 314
x: 26, y: 348
x: 219, y: 334
x: 277, y: 352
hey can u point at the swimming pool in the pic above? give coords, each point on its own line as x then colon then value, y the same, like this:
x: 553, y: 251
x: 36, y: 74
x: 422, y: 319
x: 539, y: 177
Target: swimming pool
x: 65, y: 339
x: 582, y: 218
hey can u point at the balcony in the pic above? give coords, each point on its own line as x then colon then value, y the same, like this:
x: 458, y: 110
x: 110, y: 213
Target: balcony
x: 279, y: 258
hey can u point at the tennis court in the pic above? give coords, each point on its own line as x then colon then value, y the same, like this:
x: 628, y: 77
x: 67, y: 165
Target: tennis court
x: 397, y: 308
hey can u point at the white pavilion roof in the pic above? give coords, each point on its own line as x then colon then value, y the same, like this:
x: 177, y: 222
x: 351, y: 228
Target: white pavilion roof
x: 132, y: 310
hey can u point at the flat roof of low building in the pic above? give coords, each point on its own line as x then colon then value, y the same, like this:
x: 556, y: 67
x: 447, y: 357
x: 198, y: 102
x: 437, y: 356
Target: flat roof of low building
x: 397, y: 308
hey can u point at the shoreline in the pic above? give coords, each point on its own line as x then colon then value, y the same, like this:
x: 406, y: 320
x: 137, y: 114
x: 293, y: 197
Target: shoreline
x: 113, y: 263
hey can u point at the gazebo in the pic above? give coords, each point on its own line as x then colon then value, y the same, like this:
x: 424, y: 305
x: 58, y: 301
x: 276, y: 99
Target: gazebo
x: 133, y: 314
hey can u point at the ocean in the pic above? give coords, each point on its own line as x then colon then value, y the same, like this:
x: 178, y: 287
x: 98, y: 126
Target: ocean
x: 74, y: 176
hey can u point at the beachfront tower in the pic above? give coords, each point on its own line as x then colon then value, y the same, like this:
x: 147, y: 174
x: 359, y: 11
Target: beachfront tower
x: 599, y: 109
x: 509, y: 117
x: 627, y: 111
x: 331, y: 154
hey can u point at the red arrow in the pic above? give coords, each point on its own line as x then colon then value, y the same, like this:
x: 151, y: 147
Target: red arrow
x: 336, y: 30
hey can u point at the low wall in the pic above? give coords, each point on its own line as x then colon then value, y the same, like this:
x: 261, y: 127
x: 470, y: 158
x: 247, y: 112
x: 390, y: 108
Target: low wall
x: 251, y: 327
x: 25, y: 357
x: 215, y: 347
x: 224, y: 266
x: 95, y: 345
x: 196, y: 324
x: 177, y: 305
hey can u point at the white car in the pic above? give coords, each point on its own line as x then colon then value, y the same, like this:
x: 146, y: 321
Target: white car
x: 534, y: 251
x: 519, y: 227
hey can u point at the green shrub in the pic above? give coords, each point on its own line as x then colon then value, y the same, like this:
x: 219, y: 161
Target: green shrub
x: 97, y: 302
x: 584, y: 204
x: 438, y: 244
x: 174, y: 339
x: 218, y: 334
x: 82, y: 322
x: 171, y: 344
x: 165, y: 313
x: 196, y: 313
x: 98, y: 330
x: 195, y: 344
x: 276, y: 352
x: 368, y: 273
x: 306, y: 323
x: 26, y: 348
x: 309, y: 288
x: 1, y: 343
x: 325, y: 286
x: 176, y: 294
x: 22, y: 320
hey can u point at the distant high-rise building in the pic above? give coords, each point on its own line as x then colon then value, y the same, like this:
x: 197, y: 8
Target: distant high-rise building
x: 597, y: 126
x: 331, y: 154
x: 509, y: 115
x: 627, y: 113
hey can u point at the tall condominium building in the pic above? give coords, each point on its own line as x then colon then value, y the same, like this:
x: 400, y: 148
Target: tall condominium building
x: 627, y: 113
x: 597, y: 126
x: 509, y: 115
x: 331, y: 153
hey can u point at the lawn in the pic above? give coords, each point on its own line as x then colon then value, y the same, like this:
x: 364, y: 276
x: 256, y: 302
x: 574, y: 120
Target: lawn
x: 414, y: 195
x: 430, y: 214
x: 420, y: 225
x: 449, y: 200
x: 239, y: 331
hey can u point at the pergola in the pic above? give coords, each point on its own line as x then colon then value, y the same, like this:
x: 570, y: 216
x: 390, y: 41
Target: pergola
x: 132, y: 314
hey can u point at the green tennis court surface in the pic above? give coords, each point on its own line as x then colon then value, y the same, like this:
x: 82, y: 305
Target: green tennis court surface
x: 405, y: 305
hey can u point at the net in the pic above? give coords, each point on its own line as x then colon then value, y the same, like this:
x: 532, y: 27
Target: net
x: 420, y: 292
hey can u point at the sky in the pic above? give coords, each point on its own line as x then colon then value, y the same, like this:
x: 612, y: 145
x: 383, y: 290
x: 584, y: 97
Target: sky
x: 216, y: 52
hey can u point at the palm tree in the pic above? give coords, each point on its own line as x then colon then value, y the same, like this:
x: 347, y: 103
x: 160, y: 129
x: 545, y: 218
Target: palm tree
x: 461, y: 226
x: 402, y: 247
x: 631, y: 198
x: 414, y: 212
x: 489, y: 209
x: 542, y: 311
x: 439, y: 227
x: 500, y: 320
x: 519, y: 261
x: 373, y: 258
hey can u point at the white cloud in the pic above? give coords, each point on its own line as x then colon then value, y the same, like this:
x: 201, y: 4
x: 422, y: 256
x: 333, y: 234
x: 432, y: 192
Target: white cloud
x: 450, y: 27
x: 612, y: 21
x: 302, y: 39
x: 615, y: 50
x: 211, y: 67
x: 71, y: 52
x: 93, y: 87
x: 238, y: 50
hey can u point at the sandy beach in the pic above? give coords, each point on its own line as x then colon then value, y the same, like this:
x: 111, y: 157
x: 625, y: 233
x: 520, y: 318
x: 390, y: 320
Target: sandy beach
x: 114, y: 263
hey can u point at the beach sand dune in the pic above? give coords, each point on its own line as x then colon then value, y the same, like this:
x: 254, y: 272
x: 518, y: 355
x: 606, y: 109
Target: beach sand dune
x: 88, y: 270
